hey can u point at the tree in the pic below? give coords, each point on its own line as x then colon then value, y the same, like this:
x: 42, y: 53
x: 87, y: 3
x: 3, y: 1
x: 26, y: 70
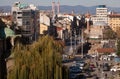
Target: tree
x: 41, y: 60
x: 118, y: 47
x: 109, y: 34
x: 65, y: 72
x: 2, y: 24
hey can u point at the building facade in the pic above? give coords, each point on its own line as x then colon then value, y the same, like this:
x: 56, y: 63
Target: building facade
x: 101, y: 14
x: 114, y: 22
x: 26, y: 20
x: 97, y: 30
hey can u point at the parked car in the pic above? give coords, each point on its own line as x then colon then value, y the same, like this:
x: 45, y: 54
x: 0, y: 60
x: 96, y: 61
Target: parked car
x: 81, y: 64
x: 75, y: 69
x: 81, y: 76
x: 92, y: 65
x: 88, y: 75
x: 115, y: 68
x: 106, y: 67
x: 93, y: 55
x: 66, y: 60
x: 72, y: 76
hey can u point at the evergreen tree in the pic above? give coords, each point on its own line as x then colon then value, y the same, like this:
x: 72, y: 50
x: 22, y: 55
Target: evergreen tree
x: 118, y: 47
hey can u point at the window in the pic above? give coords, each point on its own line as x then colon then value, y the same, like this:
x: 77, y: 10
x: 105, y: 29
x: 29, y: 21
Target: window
x: 19, y: 12
x: 14, y: 12
x: 26, y: 13
x: 19, y: 17
x: 27, y: 23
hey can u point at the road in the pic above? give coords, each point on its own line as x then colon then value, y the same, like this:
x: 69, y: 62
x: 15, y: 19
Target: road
x: 99, y: 70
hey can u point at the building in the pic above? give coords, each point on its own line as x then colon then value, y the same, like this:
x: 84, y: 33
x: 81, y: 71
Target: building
x: 101, y: 14
x: 114, y: 22
x: 44, y: 18
x: 97, y: 30
x: 26, y: 20
x: 43, y: 28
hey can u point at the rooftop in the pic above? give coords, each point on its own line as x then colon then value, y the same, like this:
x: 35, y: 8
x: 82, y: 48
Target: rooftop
x: 114, y: 15
x: 101, y: 6
x: 22, y: 5
x: 106, y: 50
x: 100, y: 23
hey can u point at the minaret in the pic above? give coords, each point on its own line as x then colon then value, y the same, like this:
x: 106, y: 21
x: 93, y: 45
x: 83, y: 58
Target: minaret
x: 53, y: 8
x: 58, y: 7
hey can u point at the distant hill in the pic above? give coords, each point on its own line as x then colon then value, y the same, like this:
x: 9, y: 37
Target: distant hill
x: 68, y: 9
x: 5, y: 8
x: 78, y: 9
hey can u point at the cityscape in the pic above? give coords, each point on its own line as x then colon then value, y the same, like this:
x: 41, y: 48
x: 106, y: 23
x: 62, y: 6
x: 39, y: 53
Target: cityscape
x: 59, y: 42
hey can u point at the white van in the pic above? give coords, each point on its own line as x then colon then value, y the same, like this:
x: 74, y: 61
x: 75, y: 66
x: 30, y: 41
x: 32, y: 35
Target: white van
x: 115, y: 68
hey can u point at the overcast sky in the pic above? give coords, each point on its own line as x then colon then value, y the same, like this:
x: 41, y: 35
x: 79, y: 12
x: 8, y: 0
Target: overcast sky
x: 112, y: 3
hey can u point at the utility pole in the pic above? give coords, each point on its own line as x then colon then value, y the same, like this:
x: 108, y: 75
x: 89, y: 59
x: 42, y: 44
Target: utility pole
x: 71, y: 47
x: 82, y: 43
x: 79, y: 37
x: 75, y: 42
x: 82, y: 37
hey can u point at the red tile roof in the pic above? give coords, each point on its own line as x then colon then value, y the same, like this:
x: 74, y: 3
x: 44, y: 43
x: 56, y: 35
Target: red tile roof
x: 114, y: 15
x: 105, y: 50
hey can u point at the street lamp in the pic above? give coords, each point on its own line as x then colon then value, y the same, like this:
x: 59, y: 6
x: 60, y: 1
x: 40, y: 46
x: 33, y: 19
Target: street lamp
x: 75, y: 42
x: 82, y: 37
x: 82, y: 43
x: 71, y: 47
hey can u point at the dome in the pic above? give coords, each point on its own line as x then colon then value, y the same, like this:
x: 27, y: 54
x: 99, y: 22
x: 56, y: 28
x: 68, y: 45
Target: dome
x: 100, y: 23
x: 6, y: 32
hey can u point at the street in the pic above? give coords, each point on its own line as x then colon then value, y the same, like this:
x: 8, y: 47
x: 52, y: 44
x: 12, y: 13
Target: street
x: 97, y: 71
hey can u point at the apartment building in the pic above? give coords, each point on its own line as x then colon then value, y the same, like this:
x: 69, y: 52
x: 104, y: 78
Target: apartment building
x: 114, y: 22
x: 101, y: 14
x: 26, y: 20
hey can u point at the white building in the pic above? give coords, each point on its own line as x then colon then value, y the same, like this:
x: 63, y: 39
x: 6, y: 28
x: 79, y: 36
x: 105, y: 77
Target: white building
x: 97, y: 30
x: 44, y: 19
x: 26, y: 18
x: 101, y: 14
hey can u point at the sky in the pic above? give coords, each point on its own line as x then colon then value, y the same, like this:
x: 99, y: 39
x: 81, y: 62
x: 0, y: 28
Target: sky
x: 111, y: 3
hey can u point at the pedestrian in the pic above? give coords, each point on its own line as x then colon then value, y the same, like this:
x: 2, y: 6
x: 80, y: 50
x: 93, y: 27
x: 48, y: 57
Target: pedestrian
x: 98, y: 69
x: 97, y: 77
x: 105, y: 75
x: 100, y: 65
x: 97, y: 64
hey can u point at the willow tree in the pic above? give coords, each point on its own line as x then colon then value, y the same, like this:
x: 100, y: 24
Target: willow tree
x: 41, y: 60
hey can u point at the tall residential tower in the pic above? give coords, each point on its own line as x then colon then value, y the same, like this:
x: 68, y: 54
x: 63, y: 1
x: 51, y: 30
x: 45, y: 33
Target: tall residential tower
x: 101, y: 14
x: 26, y: 20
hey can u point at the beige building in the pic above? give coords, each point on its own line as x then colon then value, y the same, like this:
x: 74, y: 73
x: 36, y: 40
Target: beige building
x: 43, y: 28
x: 97, y: 30
x: 114, y: 22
